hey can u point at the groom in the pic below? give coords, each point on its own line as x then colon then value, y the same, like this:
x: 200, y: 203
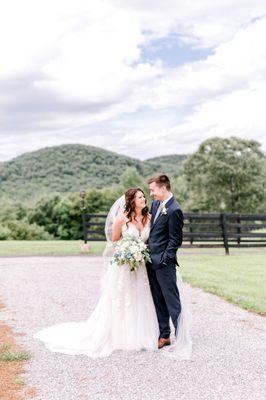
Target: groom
x: 165, y: 238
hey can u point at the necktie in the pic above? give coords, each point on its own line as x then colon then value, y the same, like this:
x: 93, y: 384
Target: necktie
x: 158, y: 211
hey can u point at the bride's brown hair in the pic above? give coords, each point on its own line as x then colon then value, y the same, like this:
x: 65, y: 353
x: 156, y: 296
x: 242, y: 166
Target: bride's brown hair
x: 130, y: 205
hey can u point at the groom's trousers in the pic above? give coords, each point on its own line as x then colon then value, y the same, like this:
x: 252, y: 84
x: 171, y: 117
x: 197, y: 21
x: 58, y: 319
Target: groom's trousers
x: 165, y: 296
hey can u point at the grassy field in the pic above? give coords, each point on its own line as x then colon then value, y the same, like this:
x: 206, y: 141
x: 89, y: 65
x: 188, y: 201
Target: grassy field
x: 239, y: 278
x: 55, y: 247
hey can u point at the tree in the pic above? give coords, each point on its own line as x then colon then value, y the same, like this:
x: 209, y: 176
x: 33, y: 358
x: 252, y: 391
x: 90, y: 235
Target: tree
x: 226, y: 174
x: 12, y: 210
x: 180, y: 190
x: 131, y: 178
x: 44, y: 215
x: 61, y: 216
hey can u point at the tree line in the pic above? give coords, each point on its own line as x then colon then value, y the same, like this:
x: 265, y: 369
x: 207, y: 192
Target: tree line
x: 223, y: 175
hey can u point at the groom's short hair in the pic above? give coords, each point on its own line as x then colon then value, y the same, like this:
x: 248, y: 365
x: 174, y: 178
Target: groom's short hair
x: 161, y: 180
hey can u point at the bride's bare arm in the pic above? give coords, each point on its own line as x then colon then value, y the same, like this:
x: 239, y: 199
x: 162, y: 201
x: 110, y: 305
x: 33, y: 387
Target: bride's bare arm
x: 117, y: 227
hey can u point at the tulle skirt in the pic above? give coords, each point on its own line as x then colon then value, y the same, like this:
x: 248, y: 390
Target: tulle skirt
x: 123, y: 319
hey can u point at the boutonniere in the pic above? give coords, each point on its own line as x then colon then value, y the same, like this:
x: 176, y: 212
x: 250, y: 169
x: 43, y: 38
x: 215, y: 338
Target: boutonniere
x: 163, y: 210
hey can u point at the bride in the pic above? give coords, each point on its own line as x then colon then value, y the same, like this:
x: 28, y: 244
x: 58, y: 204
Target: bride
x: 124, y: 317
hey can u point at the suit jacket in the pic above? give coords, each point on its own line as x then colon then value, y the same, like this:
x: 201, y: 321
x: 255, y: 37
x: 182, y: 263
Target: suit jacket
x: 166, y: 234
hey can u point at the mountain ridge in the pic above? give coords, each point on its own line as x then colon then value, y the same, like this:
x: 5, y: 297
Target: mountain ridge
x: 67, y: 168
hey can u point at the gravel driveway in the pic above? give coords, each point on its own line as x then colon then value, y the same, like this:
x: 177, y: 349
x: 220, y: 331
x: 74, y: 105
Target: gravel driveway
x: 228, y: 343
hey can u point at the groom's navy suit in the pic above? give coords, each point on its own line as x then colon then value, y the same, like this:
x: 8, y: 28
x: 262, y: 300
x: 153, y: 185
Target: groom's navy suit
x: 165, y: 238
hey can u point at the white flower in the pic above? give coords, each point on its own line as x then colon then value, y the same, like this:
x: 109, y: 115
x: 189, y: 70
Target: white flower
x: 131, y: 251
x: 142, y: 246
x: 134, y: 248
x: 138, y: 256
x: 164, y: 210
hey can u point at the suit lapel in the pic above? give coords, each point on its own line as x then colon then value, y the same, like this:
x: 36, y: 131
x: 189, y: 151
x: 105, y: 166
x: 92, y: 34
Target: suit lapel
x: 167, y: 205
x: 170, y: 201
x: 154, y: 211
x: 155, y: 222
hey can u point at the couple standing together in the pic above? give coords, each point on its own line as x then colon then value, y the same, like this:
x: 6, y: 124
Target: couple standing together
x: 134, y: 309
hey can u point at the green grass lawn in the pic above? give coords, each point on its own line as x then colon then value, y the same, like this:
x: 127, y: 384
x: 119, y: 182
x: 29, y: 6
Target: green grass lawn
x: 53, y: 247
x: 239, y: 278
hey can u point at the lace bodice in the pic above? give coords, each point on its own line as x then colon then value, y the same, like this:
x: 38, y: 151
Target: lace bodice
x: 132, y: 230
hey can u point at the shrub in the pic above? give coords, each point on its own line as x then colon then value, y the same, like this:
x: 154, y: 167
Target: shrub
x: 5, y: 232
x: 21, y: 230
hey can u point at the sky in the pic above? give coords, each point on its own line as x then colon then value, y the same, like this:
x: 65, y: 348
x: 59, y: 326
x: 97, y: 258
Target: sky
x: 142, y: 78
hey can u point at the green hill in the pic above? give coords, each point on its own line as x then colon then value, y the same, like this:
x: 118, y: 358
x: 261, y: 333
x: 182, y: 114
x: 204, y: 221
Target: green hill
x: 169, y: 164
x: 67, y: 168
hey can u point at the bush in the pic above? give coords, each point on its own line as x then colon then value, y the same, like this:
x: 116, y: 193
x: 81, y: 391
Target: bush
x: 61, y: 216
x: 5, y: 232
x: 12, y: 211
x: 21, y: 230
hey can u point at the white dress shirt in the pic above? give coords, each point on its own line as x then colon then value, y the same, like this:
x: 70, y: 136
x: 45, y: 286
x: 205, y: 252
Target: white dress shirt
x: 162, y: 203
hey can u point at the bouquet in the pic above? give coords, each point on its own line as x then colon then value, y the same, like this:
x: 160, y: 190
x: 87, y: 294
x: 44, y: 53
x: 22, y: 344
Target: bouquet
x: 132, y: 251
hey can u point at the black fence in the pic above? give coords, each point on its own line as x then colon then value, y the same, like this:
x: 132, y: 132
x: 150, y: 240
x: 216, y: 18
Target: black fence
x: 201, y: 230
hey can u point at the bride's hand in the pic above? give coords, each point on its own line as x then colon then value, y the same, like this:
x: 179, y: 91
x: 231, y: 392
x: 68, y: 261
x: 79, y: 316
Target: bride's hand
x: 117, y: 227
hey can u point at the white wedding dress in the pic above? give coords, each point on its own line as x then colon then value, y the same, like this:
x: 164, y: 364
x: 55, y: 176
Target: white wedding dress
x: 123, y: 319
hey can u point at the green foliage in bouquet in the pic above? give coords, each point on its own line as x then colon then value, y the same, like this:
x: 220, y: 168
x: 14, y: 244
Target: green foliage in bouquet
x: 131, y: 251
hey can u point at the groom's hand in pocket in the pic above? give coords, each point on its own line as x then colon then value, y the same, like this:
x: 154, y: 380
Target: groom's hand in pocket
x: 175, y: 226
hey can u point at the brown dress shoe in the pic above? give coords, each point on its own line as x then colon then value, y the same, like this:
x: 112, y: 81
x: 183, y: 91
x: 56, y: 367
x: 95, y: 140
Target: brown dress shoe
x: 163, y: 342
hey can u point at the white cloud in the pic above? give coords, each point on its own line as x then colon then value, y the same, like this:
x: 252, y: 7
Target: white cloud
x: 204, y: 23
x: 71, y: 67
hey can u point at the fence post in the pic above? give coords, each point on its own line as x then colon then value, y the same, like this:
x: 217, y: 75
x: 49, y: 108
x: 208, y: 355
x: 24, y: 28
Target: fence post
x: 85, y: 233
x: 238, y: 230
x: 84, y: 212
x: 224, y: 232
x: 190, y: 229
